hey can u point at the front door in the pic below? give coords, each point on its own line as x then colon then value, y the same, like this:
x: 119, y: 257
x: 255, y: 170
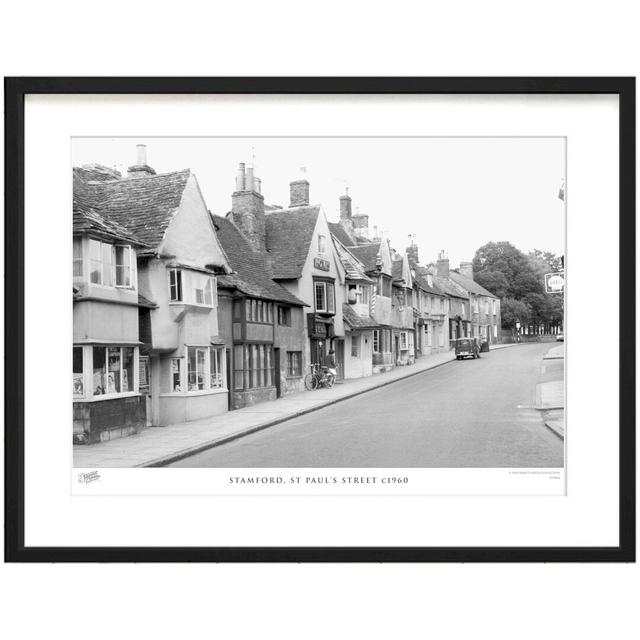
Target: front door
x: 144, y: 384
x: 397, y: 349
x: 318, y: 351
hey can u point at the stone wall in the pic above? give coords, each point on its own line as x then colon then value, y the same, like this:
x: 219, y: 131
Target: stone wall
x: 107, y: 419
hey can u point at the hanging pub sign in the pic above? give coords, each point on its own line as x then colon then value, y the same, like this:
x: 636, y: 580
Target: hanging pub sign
x: 321, y: 264
x: 319, y: 328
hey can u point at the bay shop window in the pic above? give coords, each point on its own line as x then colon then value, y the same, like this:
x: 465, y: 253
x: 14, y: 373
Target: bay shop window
x: 106, y: 264
x: 104, y: 371
x: 192, y: 287
x: 200, y: 369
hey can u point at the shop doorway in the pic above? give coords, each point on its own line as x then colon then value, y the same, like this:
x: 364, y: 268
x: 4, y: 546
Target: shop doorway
x: 318, y: 351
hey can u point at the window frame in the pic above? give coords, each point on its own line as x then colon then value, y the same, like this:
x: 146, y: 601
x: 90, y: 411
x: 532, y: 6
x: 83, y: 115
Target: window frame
x: 88, y: 372
x: 356, y: 342
x: 132, y: 267
x: 257, y: 367
x: 329, y: 309
x: 179, y: 284
x: 287, y: 316
x: 294, y: 372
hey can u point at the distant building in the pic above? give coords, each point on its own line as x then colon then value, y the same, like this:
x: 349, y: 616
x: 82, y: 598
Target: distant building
x: 403, y: 319
x: 484, y: 305
x: 459, y: 312
x: 431, y: 309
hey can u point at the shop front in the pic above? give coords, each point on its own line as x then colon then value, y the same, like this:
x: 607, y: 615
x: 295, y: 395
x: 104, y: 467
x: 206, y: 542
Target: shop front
x: 321, y: 337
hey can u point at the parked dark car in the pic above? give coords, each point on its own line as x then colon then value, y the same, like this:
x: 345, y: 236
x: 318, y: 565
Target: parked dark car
x: 467, y: 348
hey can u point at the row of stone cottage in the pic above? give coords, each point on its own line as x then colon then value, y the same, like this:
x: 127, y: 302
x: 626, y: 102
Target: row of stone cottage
x: 179, y: 314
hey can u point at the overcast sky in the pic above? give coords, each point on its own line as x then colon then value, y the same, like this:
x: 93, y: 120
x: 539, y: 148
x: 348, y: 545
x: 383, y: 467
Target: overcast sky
x: 454, y: 194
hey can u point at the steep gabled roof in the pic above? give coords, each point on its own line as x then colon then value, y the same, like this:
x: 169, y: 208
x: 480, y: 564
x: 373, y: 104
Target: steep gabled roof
x: 87, y: 219
x: 354, y: 270
x: 289, y: 234
x: 144, y: 206
x: 339, y: 232
x: 367, y: 254
x: 250, y: 272
x: 469, y: 284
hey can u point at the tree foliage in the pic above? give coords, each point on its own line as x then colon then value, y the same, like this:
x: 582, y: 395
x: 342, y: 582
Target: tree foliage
x: 518, y: 279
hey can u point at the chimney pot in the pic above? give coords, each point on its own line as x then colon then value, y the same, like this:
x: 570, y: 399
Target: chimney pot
x: 140, y: 169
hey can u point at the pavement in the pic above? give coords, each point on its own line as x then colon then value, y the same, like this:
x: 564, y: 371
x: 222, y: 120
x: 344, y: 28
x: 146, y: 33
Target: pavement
x: 550, y: 391
x: 157, y: 446
x: 470, y: 413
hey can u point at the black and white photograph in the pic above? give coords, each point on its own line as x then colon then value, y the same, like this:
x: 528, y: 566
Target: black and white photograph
x: 319, y: 302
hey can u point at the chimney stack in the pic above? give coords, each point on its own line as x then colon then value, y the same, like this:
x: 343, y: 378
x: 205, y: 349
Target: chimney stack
x: 299, y: 193
x: 240, y: 178
x: 442, y: 266
x: 247, y: 208
x: 140, y: 169
x: 412, y: 254
x: 345, y: 205
x: 466, y: 269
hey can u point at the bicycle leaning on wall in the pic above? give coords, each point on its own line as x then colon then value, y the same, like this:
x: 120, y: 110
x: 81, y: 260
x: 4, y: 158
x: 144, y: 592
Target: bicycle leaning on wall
x: 319, y: 377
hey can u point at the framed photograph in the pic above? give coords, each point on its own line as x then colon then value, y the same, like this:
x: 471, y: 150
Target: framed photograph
x: 320, y: 319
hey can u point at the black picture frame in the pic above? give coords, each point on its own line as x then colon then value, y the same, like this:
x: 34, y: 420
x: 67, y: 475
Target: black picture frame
x: 15, y: 91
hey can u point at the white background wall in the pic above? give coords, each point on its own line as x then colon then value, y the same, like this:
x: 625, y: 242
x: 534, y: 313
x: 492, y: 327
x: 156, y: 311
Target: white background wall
x: 393, y: 601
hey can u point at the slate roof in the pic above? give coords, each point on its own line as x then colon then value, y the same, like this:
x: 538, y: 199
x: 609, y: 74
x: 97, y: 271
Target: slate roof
x: 250, y: 271
x: 469, y: 284
x: 339, y: 232
x: 289, y: 234
x: 353, y: 267
x: 355, y: 321
x: 450, y: 287
x: 368, y: 255
x: 420, y: 278
x: 86, y: 218
x: 144, y: 206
